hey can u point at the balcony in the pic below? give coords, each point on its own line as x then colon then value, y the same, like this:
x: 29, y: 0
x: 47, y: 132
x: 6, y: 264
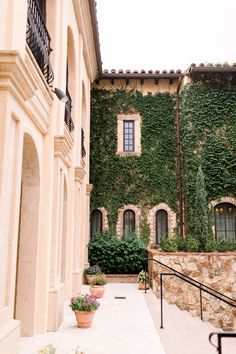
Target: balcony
x: 38, y: 40
x: 67, y: 117
x: 83, y: 151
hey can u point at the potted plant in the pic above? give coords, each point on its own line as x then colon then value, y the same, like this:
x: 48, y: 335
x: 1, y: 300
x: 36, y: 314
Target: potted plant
x: 92, y: 272
x: 97, y: 287
x: 84, y: 307
x: 142, y: 277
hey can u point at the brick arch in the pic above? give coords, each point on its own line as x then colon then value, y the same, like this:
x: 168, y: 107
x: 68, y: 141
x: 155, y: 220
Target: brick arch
x: 152, y: 220
x: 229, y: 200
x: 104, y: 218
x: 137, y: 211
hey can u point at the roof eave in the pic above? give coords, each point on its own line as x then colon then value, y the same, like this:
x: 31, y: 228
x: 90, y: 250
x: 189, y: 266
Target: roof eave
x: 93, y: 13
x: 211, y: 69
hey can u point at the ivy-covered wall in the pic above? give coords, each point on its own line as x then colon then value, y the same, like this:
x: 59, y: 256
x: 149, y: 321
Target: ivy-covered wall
x: 208, y: 124
x: 208, y: 138
x: 144, y: 180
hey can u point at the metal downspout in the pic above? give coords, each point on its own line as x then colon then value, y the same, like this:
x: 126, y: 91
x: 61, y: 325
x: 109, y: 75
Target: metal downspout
x: 180, y: 164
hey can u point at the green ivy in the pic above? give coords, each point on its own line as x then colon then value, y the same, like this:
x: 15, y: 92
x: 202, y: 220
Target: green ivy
x: 144, y: 228
x: 144, y: 180
x: 208, y: 124
x: 201, y: 221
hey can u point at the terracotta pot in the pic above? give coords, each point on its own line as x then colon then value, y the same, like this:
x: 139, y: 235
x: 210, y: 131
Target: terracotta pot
x: 84, y: 318
x: 97, y: 290
x: 141, y: 286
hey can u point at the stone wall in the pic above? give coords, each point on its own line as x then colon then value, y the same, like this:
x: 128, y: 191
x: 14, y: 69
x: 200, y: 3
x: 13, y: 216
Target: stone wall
x: 122, y: 278
x: 216, y: 270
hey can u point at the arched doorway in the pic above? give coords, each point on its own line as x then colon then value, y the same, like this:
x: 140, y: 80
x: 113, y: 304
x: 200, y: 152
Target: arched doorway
x: 25, y: 294
x: 161, y: 225
x: 96, y: 222
x: 225, y: 221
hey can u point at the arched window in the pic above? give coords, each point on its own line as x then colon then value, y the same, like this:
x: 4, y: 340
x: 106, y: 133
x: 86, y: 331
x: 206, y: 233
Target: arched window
x: 161, y: 225
x: 96, y: 222
x: 225, y: 221
x: 128, y: 222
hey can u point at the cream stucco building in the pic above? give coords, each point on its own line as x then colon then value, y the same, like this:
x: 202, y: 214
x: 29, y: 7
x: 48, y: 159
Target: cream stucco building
x: 44, y: 160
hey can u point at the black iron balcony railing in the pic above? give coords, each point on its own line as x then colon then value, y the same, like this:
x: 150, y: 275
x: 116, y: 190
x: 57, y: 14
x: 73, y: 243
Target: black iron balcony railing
x: 38, y: 39
x: 67, y: 117
x: 83, y: 151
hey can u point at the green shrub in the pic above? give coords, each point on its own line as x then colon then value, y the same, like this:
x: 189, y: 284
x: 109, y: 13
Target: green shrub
x: 224, y: 245
x: 174, y: 243
x: 177, y: 243
x: 211, y: 245
x: 181, y: 243
x: 169, y: 244
x: 117, y: 256
x: 192, y: 244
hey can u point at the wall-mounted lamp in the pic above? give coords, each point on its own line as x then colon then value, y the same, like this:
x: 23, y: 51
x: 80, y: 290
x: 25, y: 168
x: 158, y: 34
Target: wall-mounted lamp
x: 60, y: 95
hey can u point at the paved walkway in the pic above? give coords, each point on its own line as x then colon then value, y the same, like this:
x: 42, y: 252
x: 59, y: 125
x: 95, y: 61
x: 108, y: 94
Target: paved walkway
x: 130, y: 326
x: 121, y: 326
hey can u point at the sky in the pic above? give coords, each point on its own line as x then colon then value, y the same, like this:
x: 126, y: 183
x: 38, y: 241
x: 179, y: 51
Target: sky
x: 166, y: 34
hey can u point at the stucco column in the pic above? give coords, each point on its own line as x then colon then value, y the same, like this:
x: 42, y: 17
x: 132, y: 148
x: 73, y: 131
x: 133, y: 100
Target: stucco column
x: 10, y: 176
x: 45, y: 234
x: 78, y: 230
x: 69, y: 237
x: 56, y: 289
x: 89, y: 188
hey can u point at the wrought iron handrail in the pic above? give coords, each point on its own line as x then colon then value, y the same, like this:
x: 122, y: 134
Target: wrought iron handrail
x: 219, y: 336
x: 195, y: 283
x: 83, y: 151
x: 68, y: 108
x: 38, y: 39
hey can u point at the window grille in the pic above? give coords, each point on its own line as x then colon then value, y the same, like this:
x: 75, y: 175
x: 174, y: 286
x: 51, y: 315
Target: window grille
x: 128, y: 132
x: 225, y: 221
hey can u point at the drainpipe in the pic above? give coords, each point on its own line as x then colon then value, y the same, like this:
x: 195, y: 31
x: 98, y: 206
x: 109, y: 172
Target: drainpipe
x: 180, y: 164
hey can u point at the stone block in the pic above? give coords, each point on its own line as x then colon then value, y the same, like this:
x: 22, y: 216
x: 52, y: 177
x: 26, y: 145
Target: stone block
x: 215, y: 304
